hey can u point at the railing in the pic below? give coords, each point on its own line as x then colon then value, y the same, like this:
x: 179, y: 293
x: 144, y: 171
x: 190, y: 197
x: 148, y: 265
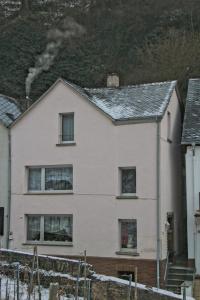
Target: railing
x: 166, y: 268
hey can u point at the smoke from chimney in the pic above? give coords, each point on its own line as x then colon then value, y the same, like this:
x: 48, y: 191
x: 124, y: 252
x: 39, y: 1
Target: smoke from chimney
x: 55, y: 38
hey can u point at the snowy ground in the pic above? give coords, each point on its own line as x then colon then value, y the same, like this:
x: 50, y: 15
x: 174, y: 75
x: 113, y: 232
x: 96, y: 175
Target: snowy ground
x: 8, y: 291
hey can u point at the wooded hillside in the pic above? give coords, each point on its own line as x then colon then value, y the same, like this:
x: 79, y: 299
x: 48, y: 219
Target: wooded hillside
x: 142, y: 40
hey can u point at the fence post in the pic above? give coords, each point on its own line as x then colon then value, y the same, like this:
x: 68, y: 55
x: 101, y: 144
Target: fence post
x: 89, y: 289
x: 129, y: 287
x: 77, y: 282
x: 0, y: 288
x: 136, y: 275
x: 84, y: 289
x: 184, y: 291
x: 17, y: 273
x: 53, y: 291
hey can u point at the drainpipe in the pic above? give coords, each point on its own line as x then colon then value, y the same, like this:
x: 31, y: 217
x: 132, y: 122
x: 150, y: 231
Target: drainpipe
x: 158, y: 203
x: 193, y: 196
x: 9, y: 190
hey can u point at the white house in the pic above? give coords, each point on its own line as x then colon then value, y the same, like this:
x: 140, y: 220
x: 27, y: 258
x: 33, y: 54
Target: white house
x: 9, y: 111
x: 191, y: 139
x: 99, y: 169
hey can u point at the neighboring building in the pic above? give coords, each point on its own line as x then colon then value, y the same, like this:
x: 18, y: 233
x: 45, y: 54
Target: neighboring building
x: 99, y: 169
x: 9, y: 111
x: 191, y: 139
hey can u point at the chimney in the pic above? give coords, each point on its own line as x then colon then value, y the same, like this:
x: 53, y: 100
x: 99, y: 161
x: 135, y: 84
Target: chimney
x: 113, y: 80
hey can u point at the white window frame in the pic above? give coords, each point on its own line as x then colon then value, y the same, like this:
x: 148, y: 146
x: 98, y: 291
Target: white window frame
x: 43, y: 190
x: 61, y: 115
x: 42, y: 241
x: 120, y: 181
x: 120, y: 235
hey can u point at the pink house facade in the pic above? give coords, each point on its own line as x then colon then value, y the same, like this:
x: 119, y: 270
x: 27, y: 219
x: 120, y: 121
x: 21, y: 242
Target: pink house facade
x: 99, y: 170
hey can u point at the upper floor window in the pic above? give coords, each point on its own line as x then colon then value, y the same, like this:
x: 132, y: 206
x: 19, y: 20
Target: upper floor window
x: 169, y: 133
x: 67, y: 127
x: 50, y: 178
x: 128, y: 181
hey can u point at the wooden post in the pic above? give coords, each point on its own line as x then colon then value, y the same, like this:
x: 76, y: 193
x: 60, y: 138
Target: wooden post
x: 53, y: 291
x: 38, y: 274
x: 85, y: 275
x: 129, y: 287
x: 135, y: 291
x: 77, y: 281
x: 17, y: 281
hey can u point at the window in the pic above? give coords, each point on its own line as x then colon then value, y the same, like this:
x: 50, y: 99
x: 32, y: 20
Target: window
x: 126, y: 275
x: 67, y: 128
x: 1, y: 220
x: 49, y: 228
x: 128, y: 180
x: 50, y: 178
x: 128, y: 235
x: 169, y: 126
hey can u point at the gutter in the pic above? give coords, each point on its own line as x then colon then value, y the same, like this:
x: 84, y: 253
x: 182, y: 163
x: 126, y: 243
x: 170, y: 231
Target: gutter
x: 9, y: 189
x: 193, y: 196
x: 158, y: 204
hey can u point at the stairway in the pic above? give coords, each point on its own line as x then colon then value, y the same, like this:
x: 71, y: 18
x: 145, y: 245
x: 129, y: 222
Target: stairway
x: 176, y: 276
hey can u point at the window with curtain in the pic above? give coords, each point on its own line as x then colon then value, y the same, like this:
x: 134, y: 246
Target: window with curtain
x: 34, y: 179
x: 57, y: 228
x: 33, y: 228
x: 67, y: 134
x: 128, y: 180
x: 52, y: 228
x: 50, y: 178
x: 58, y: 178
x: 128, y: 234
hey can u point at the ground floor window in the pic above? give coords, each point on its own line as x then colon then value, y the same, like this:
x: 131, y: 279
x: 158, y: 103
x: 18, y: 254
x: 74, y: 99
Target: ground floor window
x: 43, y: 228
x: 128, y: 234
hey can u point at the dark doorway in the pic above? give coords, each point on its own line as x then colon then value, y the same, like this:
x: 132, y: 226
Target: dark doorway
x: 170, y: 236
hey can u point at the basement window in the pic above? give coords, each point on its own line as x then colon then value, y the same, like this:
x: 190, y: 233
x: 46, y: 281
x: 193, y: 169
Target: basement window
x: 49, y: 228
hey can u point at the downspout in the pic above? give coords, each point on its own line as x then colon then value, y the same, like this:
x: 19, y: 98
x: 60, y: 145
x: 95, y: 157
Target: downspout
x: 193, y: 196
x: 158, y: 203
x: 9, y: 189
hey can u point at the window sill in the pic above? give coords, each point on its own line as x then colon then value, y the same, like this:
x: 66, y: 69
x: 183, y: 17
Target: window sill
x: 50, y: 193
x: 48, y: 243
x: 66, y: 144
x: 127, y: 197
x: 128, y: 253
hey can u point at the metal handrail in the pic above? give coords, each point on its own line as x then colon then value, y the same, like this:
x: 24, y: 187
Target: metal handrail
x: 166, y: 267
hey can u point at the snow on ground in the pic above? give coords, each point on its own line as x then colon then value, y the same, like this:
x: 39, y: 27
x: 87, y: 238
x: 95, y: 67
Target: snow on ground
x: 8, y: 287
x: 140, y: 286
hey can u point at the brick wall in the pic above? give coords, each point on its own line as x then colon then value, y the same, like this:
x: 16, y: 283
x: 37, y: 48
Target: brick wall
x: 111, y: 267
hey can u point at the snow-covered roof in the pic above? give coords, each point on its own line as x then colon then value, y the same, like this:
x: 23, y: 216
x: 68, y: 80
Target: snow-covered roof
x: 145, y: 101
x: 191, y: 124
x: 9, y: 110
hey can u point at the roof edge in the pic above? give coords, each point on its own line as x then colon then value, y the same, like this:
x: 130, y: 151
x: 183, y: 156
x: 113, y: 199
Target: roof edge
x: 36, y: 102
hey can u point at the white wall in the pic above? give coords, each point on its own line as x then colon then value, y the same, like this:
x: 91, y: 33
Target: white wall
x: 193, y: 190
x: 4, y: 156
x: 171, y: 174
x: 101, y: 148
